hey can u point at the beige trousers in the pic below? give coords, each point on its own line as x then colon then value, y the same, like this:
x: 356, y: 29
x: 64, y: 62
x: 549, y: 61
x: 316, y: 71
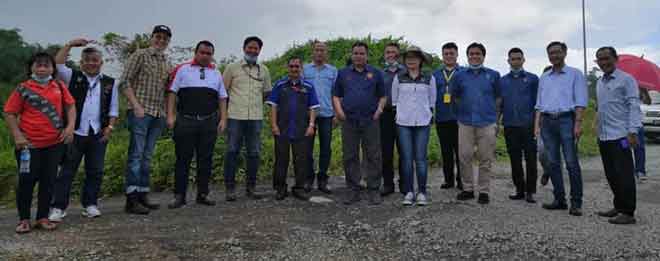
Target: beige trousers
x: 484, y: 139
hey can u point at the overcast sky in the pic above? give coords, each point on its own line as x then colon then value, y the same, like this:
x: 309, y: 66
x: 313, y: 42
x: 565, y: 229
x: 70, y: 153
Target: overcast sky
x: 632, y: 26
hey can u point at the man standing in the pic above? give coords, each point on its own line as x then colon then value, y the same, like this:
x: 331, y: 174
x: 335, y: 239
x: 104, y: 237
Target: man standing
x: 619, y: 119
x: 143, y: 82
x: 97, y: 109
x: 445, y: 117
x: 476, y: 90
x: 519, y: 91
x: 247, y: 82
x: 292, y: 116
x: 562, y: 98
x: 359, y: 98
x: 322, y: 76
x: 388, y: 134
x: 198, y: 93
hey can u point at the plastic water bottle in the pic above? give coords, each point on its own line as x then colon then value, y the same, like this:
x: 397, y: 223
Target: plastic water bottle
x: 25, y: 161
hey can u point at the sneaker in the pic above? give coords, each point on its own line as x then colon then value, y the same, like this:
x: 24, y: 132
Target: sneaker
x: 91, y: 212
x: 421, y: 199
x: 56, y: 215
x: 409, y: 199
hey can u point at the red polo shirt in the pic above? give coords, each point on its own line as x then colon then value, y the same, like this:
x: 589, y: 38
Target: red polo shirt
x: 33, y: 123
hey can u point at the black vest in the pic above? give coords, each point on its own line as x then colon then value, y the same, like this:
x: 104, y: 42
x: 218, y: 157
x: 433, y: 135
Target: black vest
x: 301, y: 114
x: 78, y: 87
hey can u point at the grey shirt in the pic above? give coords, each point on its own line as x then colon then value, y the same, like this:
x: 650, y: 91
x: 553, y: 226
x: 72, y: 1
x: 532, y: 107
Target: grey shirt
x: 619, y: 110
x: 414, y: 99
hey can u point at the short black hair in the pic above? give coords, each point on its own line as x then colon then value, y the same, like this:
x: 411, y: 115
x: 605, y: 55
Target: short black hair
x: 557, y: 43
x: 393, y: 44
x: 206, y: 43
x: 360, y: 44
x: 611, y: 49
x: 91, y: 50
x: 295, y: 57
x: 450, y: 45
x: 516, y: 50
x: 476, y: 45
x: 253, y: 39
x: 40, y: 57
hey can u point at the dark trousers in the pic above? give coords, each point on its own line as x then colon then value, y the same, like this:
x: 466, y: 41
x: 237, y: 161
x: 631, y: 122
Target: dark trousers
x: 520, y: 143
x: 238, y: 133
x: 362, y: 136
x: 43, y: 169
x: 93, y: 150
x: 448, y: 135
x: 194, y: 137
x: 388, y: 139
x: 324, y: 129
x: 301, y: 158
x: 619, y: 170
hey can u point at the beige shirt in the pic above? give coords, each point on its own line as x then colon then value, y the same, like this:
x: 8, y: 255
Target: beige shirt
x: 246, y: 86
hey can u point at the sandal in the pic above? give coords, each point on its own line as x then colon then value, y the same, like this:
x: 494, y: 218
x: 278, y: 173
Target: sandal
x: 45, y: 224
x: 23, y: 227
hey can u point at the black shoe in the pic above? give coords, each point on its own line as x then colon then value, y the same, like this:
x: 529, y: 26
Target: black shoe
x: 609, y: 214
x: 281, y: 194
x: 446, y: 186
x: 483, y: 198
x: 459, y: 186
x: 230, y: 194
x: 145, y: 201
x: 555, y: 206
x: 530, y: 198
x: 387, y: 191
x: 517, y: 196
x: 133, y: 205
x: 353, y: 197
x: 250, y: 193
x: 575, y: 212
x: 324, y: 188
x: 308, y: 187
x: 465, y: 195
x: 544, y: 179
x: 203, y: 199
x: 622, y: 219
x: 300, y: 194
x: 179, y: 201
x: 375, y: 198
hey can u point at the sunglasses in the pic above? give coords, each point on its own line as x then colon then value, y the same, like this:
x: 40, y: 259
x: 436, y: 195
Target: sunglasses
x: 202, y: 75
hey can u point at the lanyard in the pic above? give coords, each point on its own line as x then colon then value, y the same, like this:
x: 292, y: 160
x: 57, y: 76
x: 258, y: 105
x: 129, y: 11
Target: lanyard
x: 448, y: 78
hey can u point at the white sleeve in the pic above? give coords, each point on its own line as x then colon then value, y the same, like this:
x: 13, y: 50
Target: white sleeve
x: 64, y: 73
x: 222, y: 91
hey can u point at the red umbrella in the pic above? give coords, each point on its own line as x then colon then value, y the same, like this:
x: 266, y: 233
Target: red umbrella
x: 644, y: 71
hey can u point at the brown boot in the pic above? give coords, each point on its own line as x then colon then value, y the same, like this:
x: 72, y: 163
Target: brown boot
x: 133, y: 205
x: 144, y: 200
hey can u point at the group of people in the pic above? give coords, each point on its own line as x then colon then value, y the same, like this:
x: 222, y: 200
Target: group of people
x: 61, y: 115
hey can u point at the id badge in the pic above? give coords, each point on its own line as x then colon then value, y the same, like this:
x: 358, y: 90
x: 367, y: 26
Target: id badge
x: 446, y: 98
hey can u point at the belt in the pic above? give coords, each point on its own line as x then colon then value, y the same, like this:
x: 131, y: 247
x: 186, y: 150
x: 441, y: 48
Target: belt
x: 557, y: 115
x: 199, y: 117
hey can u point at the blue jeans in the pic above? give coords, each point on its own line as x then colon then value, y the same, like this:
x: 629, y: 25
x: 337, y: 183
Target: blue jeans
x: 144, y: 133
x: 93, y: 149
x: 239, y: 131
x: 413, y: 142
x: 324, y: 129
x: 640, y: 155
x: 557, y: 133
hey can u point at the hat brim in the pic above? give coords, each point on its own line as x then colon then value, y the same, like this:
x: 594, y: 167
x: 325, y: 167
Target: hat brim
x: 426, y: 58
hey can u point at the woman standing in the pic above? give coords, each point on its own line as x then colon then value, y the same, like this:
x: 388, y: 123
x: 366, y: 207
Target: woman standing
x: 35, y: 116
x: 413, y: 94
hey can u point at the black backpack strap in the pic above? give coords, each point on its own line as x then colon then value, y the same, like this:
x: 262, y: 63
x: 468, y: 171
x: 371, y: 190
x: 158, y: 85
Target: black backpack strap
x: 42, y: 104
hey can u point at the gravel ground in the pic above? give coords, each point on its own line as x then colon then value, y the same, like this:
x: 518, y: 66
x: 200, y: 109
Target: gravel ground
x: 295, y: 230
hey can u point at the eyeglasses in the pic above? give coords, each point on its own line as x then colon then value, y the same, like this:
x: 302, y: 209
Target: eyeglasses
x: 202, y: 75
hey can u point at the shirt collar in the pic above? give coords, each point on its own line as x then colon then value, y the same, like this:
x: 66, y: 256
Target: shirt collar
x: 561, y: 71
x: 244, y: 63
x: 194, y: 63
x: 366, y: 68
x: 611, y: 76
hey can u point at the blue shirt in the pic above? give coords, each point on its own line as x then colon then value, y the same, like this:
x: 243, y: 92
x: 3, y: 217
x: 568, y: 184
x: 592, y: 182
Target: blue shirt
x: 561, y: 91
x: 323, y: 79
x: 519, y: 91
x: 619, y: 113
x: 475, y: 92
x: 360, y: 92
x: 293, y: 106
x: 388, y: 78
x: 444, y: 111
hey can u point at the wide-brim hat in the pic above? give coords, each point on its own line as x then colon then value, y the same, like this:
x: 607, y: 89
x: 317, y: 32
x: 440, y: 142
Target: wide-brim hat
x: 426, y: 58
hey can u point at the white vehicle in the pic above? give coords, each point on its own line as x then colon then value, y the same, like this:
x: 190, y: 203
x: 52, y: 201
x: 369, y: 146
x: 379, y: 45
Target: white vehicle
x: 651, y: 116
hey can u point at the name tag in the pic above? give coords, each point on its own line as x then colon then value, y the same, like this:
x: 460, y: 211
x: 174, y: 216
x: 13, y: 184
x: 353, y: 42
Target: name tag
x: 446, y: 98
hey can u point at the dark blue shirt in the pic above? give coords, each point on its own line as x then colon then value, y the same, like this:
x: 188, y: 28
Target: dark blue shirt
x: 519, y: 91
x: 474, y: 92
x: 444, y: 111
x: 388, y: 77
x: 293, y: 106
x: 360, y: 92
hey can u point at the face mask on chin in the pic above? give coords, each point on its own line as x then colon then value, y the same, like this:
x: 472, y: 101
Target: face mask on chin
x: 513, y: 70
x: 41, y: 80
x: 476, y: 66
x: 250, y: 59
